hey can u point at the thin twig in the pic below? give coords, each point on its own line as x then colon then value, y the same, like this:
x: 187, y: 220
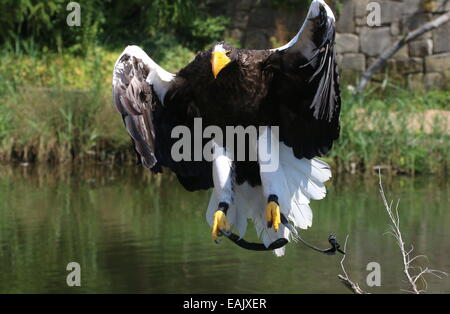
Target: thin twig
x: 354, y: 287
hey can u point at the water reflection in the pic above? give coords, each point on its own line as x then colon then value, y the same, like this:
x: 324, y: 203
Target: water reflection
x: 133, y: 232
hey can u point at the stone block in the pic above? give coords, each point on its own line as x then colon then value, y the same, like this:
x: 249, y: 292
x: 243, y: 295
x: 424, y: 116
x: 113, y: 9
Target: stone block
x: 438, y: 63
x: 354, y: 61
x: 360, y: 7
x: 441, y: 38
x: 346, y: 21
x: 402, y: 53
x: 347, y: 43
x: 374, y: 41
x: 409, y: 65
x: 361, y: 21
x: 421, y: 48
x: 391, y: 11
x: 412, y: 6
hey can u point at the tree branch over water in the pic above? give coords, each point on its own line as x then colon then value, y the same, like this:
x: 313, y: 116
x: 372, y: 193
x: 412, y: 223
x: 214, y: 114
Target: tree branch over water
x: 354, y: 287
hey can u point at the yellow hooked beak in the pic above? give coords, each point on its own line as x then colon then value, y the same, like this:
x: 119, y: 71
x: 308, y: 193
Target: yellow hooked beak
x: 219, y: 60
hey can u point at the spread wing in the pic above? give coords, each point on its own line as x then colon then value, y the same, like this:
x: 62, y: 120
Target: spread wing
x: 305, y: 87
x: 139, y: 90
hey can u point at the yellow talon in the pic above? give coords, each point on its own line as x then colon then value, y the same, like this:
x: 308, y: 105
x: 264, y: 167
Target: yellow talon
x: 220, y: 224
x: 273, y: 215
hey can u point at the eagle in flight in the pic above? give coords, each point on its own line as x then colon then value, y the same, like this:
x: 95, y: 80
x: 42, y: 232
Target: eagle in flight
x: 294, y: 88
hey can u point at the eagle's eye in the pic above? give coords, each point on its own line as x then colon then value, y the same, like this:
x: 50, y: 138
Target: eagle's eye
x: 228, y: 53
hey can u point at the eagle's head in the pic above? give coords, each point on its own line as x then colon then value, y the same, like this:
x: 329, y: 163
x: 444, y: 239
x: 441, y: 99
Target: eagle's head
x: 222, y: 55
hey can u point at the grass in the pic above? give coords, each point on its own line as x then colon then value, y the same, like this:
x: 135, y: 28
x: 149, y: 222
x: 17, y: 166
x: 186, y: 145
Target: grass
x: 398, y: 130
x: 57, y: 108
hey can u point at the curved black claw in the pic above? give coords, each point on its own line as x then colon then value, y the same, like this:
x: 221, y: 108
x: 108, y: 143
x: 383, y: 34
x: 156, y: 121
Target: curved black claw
x: 335, y: 246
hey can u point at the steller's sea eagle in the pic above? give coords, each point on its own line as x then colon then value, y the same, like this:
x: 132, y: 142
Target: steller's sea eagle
x: 294, y: 88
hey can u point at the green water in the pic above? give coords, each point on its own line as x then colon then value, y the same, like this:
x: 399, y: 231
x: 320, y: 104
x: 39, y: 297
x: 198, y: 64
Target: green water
x: 133, y: 233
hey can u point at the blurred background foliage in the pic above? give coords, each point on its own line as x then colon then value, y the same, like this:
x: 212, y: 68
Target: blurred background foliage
x: 109, y: 23
x: 55, y: 85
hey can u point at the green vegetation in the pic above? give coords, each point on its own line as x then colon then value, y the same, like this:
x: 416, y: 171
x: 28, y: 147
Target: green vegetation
x: 55, y: 88
x: 398, y: 130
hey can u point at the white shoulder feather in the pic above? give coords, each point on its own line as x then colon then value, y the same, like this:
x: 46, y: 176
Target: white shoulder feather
x: 160, y: 79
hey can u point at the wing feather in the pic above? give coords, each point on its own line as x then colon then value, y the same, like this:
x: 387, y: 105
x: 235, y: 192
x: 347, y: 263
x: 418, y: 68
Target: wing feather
x: 134, y: 99
x: 306, y: 85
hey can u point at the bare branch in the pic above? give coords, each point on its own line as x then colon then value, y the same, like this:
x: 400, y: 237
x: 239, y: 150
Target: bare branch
x: 354, y: 287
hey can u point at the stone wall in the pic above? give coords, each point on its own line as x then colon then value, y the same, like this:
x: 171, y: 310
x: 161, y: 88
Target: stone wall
x: 257, y: 24
x: 423, y: 62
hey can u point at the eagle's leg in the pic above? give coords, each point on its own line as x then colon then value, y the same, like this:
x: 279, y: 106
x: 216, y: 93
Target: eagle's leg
x: 273, y: 215
x: 270, y: 176
x: 220, y: 221
x: 222, y: 177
